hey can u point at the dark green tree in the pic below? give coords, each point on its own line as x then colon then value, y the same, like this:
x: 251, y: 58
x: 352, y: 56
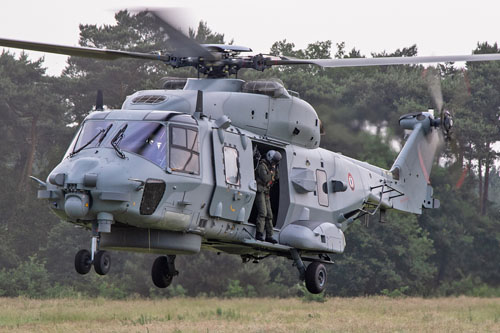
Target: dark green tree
x: 31, y: 130
x: 481, y: 126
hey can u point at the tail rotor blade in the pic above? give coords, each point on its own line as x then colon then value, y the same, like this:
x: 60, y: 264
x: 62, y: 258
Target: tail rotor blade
x: 434, y: 87
x: 461, y: 180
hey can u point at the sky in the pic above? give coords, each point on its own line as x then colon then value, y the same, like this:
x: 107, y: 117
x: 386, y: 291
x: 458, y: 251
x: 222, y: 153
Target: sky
x: 437, y: 27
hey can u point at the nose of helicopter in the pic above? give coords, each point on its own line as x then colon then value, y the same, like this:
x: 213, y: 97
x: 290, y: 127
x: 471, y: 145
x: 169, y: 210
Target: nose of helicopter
x: 88, y: 185
x: 93, y: 183
x: 77, y: 175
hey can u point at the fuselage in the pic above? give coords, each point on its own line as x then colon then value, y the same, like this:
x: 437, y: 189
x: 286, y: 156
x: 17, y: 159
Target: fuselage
x: 161, y: 175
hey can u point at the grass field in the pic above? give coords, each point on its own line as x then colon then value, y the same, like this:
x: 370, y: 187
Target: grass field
x: 372, y: 314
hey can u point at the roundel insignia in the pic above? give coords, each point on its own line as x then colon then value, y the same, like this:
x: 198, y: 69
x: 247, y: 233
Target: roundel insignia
x: 350, y: 180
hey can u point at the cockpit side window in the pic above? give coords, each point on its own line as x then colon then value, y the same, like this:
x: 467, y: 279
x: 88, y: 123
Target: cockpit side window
x: 184, y: 150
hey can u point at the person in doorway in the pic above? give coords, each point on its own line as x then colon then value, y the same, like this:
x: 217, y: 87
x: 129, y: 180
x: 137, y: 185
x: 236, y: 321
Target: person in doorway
x: 267, y: 174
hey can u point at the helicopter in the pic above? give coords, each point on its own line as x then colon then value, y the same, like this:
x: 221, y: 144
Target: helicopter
x: 173, y: 171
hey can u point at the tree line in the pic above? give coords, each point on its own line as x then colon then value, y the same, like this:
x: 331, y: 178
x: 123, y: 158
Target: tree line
x: 451, y: 250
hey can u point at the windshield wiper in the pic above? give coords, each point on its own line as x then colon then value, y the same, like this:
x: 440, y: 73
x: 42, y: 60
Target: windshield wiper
x: 104, y: 135
x: 117, y: 139
x: 88, y: 143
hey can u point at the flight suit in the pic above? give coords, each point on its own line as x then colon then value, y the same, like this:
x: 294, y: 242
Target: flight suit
x: 266, y: 176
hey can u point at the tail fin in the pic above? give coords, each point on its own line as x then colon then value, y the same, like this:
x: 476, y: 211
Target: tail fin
x: 413, y: 165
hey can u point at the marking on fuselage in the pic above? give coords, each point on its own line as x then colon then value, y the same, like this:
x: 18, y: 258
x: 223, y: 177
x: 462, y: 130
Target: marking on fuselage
x: 232, y: 209
x: 350, y: 180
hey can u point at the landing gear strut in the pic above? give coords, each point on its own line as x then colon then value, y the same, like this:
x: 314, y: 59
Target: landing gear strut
x: 314, y: 275
x: 100, y: 259
x: 163, y: 271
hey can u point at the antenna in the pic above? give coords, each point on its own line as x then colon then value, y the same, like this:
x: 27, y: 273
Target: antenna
x: 199, y: 104
x: 99, y: 102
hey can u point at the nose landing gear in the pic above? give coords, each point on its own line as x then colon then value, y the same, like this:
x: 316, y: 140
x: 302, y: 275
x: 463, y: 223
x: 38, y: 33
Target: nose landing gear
x: 84, y: 262
x: 100, y: 259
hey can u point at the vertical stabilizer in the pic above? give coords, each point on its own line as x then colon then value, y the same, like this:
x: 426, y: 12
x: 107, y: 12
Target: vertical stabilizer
x: 413, y: 165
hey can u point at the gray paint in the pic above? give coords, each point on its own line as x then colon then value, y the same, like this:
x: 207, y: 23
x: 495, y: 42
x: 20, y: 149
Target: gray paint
x: 150, y: 240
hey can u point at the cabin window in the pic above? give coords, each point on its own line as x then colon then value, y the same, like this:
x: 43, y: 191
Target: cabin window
x: 231, y: 166
x: 184, y: 151
x: 322, y: 188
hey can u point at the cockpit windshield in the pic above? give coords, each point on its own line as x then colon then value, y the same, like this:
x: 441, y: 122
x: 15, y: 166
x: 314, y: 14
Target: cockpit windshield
x: 90, y: 132
x: 148, y: 139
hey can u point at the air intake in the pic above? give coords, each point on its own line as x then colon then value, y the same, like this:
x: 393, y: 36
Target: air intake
x: 149, y: 99
x: 153, y: 193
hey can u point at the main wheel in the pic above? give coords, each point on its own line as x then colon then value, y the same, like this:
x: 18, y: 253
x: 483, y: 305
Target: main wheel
x: 160, y: 273
x: 83, y: 262
x: 102, y: 262
x: 315, y: 277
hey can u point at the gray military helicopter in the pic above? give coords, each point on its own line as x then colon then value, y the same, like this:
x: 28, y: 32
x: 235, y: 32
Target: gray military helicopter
x: 172, y: 171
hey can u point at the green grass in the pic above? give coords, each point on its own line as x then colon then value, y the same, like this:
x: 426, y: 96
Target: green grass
x: 371, y: 314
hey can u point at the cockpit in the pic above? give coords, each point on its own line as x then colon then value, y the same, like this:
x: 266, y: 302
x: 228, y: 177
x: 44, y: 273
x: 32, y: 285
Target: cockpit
x: 171, y: 146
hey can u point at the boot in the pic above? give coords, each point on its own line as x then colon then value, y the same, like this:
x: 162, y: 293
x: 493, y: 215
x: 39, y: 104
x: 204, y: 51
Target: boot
x: 259, y: 236
x: 271, y: 240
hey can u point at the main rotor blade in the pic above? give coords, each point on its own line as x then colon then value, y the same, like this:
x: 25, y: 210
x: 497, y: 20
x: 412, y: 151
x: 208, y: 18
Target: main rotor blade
x: 183, y: 45
x: 80, y: 51
x: 384, y: 61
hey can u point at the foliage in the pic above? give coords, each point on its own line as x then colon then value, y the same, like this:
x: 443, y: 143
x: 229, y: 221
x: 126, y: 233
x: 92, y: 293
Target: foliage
x: 470, y: 286
x: 396, y: 293
x: 235, y: 290
x: 30, y: 278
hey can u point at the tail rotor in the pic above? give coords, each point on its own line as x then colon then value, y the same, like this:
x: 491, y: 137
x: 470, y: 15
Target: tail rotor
x: 445, y: 120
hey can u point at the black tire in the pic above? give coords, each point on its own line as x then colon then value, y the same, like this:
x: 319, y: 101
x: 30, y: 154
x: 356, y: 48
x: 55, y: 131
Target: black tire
x: 315, y: 277
x: 83, y: 262
x: 160, y: 274
x: 102, y: 262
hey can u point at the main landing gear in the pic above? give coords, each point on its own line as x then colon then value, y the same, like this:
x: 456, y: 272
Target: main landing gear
x: 101, y: 260
x: 314, y: 275
x: 163, y: 271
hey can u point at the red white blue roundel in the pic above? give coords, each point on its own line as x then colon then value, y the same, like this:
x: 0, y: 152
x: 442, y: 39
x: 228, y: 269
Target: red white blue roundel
x: 350, y: 180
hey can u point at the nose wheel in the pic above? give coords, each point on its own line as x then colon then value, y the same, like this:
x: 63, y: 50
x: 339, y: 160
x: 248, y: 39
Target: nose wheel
x: 83, y: 262
x: 101, y: 260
